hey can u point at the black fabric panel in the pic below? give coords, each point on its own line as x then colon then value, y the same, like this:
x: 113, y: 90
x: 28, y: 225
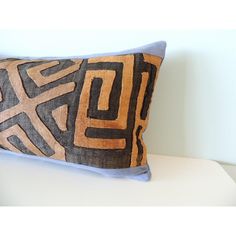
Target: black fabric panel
x: 17, y: 143
x: 149, y: 91
x: 112, y: 112
x: 31, y: 88
x: 140, y: 147
x: 9, y: 98
x: 24, y: 122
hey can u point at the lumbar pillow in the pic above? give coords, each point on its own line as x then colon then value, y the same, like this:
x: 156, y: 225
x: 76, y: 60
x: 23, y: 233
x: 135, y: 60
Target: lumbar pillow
x: 89, y: 112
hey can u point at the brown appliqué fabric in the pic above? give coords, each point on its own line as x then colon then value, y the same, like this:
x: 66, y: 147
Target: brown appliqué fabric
x: 89, y: 111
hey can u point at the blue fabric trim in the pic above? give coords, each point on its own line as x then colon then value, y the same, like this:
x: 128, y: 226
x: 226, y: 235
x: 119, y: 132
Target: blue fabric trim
x: 141, y: 173
x: 156, y: 49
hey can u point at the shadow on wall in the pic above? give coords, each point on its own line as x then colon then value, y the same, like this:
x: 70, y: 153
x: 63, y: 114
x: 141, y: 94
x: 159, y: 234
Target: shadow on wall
x: 166, y: 130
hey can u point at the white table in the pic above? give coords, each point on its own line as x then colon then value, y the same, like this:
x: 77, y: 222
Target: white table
x: 175, y: 181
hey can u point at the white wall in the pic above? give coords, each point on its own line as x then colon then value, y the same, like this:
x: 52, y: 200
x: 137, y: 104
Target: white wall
x: 194, y: 107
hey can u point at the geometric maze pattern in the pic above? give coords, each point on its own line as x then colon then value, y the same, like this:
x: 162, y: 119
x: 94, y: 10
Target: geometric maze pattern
x: 91, y: 111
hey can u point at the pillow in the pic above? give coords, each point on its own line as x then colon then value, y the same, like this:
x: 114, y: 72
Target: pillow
x: 89, y: 112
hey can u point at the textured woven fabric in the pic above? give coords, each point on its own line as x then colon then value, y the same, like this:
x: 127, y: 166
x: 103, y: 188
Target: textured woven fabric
x: 91, y: 111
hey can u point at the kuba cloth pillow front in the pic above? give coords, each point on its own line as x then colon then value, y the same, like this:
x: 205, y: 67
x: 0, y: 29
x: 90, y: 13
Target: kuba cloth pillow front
x: 89, y: 112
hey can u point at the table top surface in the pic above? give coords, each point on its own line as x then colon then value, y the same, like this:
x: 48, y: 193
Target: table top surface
x: 176, y: 181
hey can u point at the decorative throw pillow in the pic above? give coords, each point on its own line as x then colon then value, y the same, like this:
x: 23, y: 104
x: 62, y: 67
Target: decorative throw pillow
x: 88, y: 111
